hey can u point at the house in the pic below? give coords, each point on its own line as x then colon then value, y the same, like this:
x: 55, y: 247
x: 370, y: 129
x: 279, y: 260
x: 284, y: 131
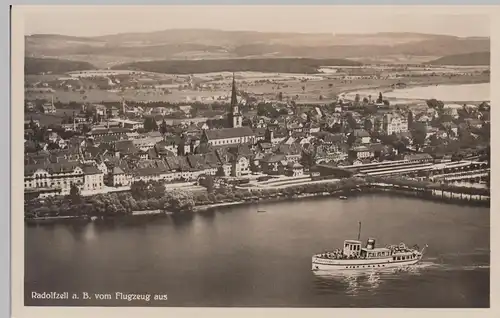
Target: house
x: 474, y: 123
x: 276, y: 135
x: 48, y: 108
x: 113, y: 112
x: 61, y: 176
x: 97, y: 109
x: 423, y: 119
x: 294, y: 169
x: 362, y: 136
x: 360, y: 152
x: 118, y: 177
x: 99, y: 132
x: 450, y: 126
x: 394, y: 123
x: 93, y: 179
x: 240, y: 166
x: 273, y: 163
x: 431, y: 131
x: 419, y: 157
x: 228, y: 136
x: 265, y: 147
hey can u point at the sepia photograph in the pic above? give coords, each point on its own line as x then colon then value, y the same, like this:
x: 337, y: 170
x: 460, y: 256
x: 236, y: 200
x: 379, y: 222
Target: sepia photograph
x: 255, y: 156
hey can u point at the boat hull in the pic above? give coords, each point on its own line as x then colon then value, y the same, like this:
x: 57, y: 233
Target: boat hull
x: 348, y: 265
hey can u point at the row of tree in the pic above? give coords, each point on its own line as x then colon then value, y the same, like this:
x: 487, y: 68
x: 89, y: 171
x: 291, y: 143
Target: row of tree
x: 153, y: 196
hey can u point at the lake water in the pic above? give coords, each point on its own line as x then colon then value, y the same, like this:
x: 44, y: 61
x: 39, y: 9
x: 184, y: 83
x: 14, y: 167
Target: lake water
x: 450, y: 93
x: 445, y: 93
x: 238, y: 257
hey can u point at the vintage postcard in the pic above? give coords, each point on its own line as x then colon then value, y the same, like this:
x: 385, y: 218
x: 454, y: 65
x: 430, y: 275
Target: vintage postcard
x: 252, y: 156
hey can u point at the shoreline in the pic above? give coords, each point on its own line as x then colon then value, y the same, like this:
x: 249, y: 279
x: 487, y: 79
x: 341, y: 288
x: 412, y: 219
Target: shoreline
x: 388, y: 88
x: 452, y: 199
x: 442, y: 196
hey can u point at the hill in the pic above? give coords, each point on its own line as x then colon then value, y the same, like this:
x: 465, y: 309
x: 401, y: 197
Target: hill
x: 56, y: 66
x: 471, y: 59
x: 191, y: 44
x: 275, y: 65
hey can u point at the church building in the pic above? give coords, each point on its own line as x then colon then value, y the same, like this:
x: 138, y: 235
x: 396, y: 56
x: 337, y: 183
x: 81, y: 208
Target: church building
x: 235, y: 133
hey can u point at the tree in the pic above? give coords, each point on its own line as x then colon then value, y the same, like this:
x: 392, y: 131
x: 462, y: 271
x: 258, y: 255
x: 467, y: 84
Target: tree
x: 207, y: 181
x: 138, y: 189
x: 410, y: 118
x: 163, y: 127
x: 150, y: 124
x: 280, y: 96
x: 180, y: 201
x: 356, y: 99
x: 380, y: 98
x: 434, y: 141
x: 351, y: 139
x: 308, y: 157
x: 351, y: 121
x: 74, y: 194
x: 368, y: 125
x: 436, y: 104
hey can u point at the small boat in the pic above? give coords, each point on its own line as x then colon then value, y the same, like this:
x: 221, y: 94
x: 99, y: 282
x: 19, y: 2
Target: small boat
x: 261, y: 211
x: 343, y: 197
x: 355, y: 257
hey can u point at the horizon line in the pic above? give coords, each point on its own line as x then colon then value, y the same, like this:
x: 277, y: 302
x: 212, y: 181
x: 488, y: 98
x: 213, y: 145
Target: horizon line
x: 333, y: 34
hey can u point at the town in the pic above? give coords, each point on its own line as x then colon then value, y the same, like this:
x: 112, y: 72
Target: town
x: 86, y: 149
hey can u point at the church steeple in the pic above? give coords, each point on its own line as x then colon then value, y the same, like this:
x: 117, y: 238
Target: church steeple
x: 234, y: 116
x: 234, y: 99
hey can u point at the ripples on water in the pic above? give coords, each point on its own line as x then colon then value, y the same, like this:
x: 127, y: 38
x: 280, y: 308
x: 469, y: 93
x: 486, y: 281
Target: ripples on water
x: 238, y: 257
x: 364, y: 283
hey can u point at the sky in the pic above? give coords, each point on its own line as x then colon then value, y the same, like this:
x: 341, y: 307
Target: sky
x: 103, y: 20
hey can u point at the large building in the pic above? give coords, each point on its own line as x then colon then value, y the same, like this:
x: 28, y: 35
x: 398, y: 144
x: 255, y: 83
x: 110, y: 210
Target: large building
x: 61, y: 176
x: 236, y: 133
x: 394, y: 124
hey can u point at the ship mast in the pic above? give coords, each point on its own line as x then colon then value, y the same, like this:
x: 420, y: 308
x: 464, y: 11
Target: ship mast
x: 359, y: 231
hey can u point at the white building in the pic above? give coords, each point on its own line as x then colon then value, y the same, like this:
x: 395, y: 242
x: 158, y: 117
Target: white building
x: 394, y: 124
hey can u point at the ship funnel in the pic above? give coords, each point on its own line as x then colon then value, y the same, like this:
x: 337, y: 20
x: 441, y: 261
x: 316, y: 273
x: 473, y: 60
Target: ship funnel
x: 370, y: 244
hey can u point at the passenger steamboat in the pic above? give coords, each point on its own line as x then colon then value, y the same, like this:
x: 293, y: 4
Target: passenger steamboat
x: 355, y: 257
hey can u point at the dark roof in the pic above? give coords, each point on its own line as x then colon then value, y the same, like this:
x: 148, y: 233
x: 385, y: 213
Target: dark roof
x: 91, y: 170
x: 360, y: 133
x: 418, y: 156
x: 273, y: 158
x: 260, y: 132
x: 117, y: 170
x: 59, y: 167
x: 126, y: 147
x: 214, y: 134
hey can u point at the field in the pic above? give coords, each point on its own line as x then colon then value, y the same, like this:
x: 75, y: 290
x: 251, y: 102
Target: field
x: 49, y: 119
x: 216, y: 86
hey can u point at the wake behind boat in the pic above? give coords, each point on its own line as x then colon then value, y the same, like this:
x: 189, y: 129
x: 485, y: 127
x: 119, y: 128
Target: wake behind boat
x: 354, y: 256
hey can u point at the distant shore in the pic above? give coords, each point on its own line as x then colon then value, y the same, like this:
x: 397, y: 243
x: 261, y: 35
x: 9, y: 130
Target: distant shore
x: 439, y: 80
